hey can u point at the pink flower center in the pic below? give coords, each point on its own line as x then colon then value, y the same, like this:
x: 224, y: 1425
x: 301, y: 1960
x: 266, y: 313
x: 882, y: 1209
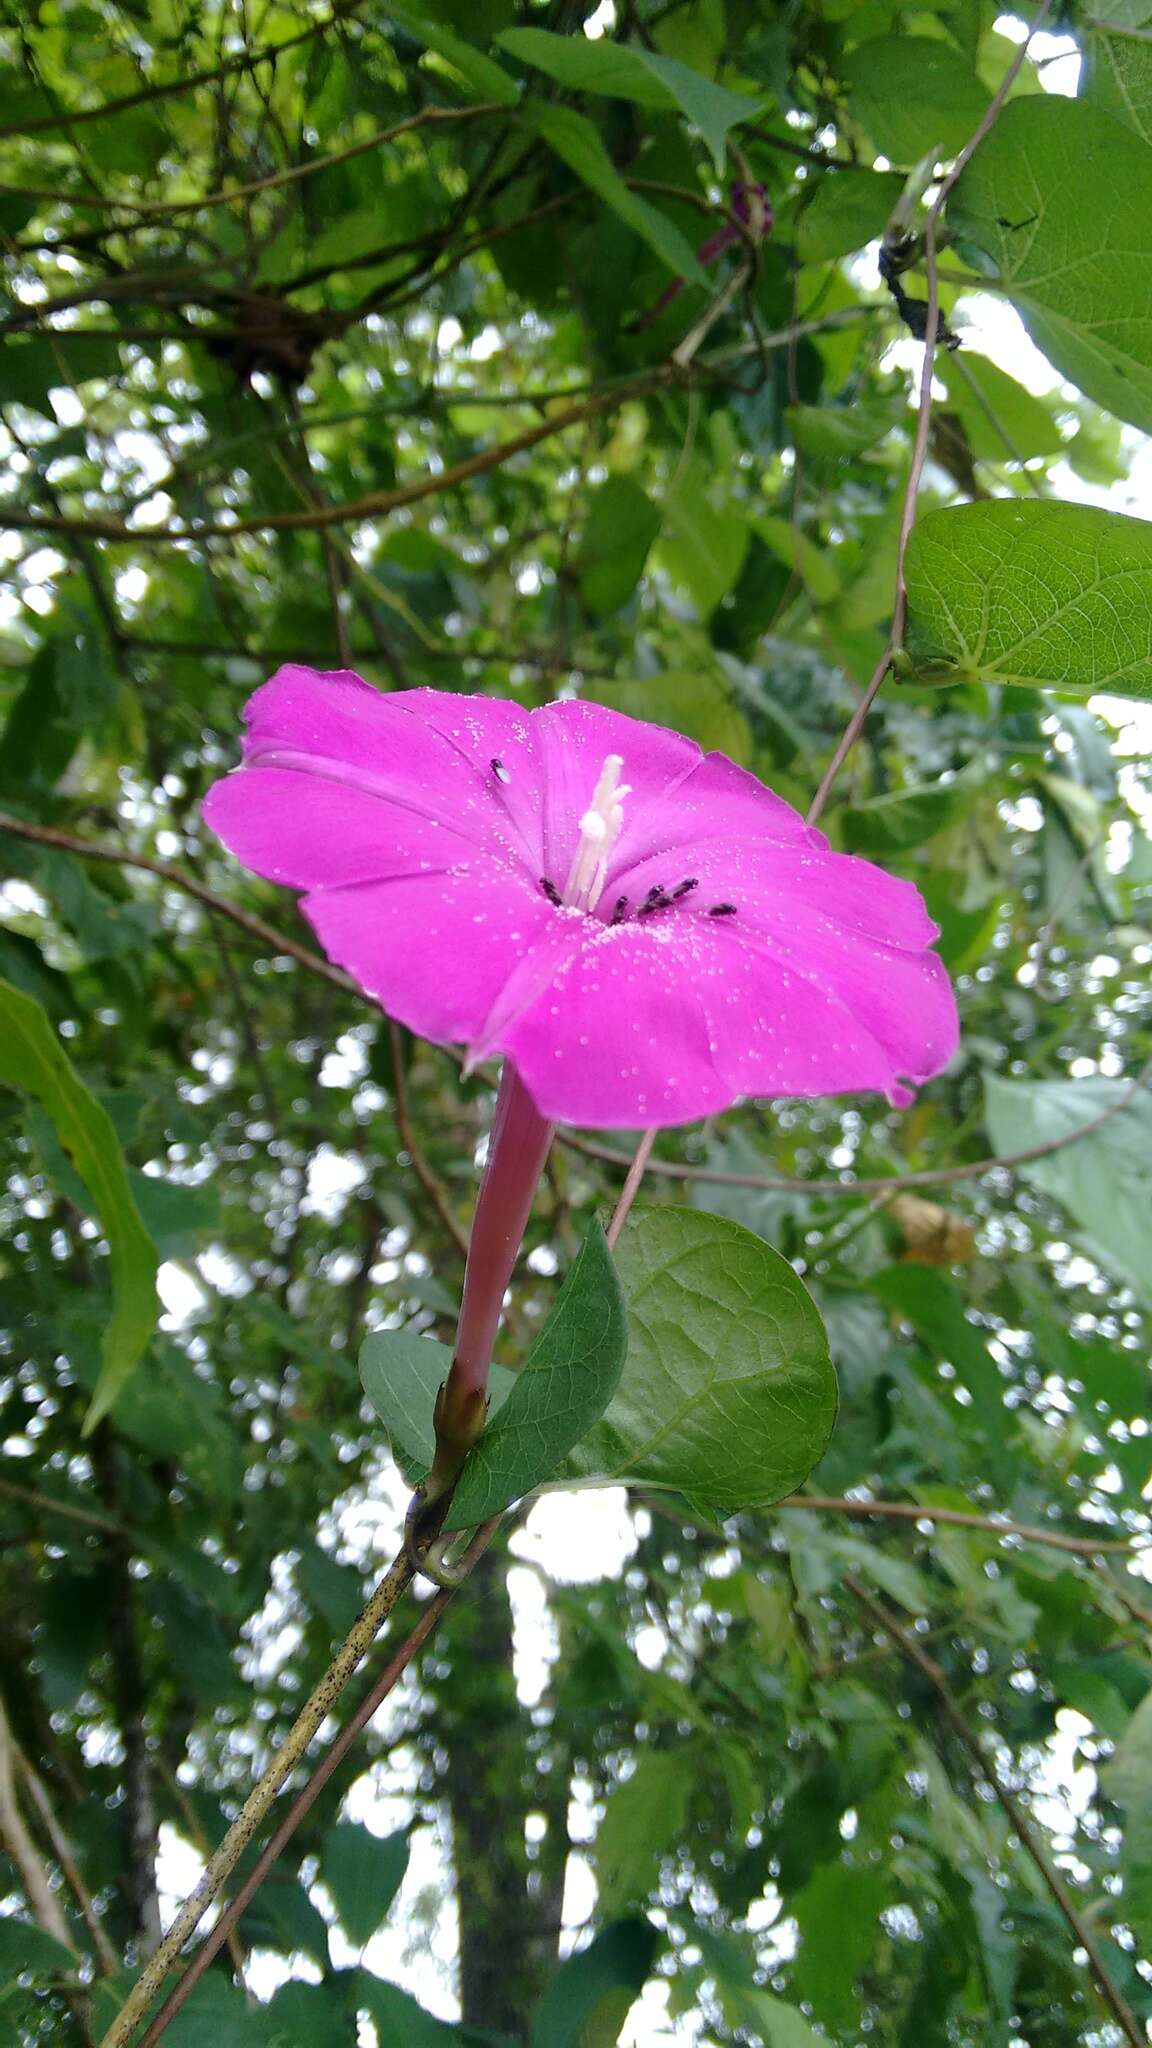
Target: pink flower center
x: 599, y: 830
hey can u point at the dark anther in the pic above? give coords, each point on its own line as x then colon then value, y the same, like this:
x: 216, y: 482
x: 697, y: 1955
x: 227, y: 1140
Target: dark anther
x: 722, y: 910
x: 655, y: 900
x: 684, y: 888
x: 499, y: 770
x: 656, y: 890
x: 618, y: 909
x: 551, y: 891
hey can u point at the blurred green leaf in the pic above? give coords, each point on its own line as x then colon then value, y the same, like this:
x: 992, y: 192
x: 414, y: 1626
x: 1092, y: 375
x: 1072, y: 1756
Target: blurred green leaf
x: 33, y: 1060
x: 577, y: 142
x: 588, y: 1999
x: 1104, y: 1179
x: 1127, y: 1778
x: 363, y: 1872
x: 630, y: 72
x: 621, y: 526
x: 913, y: 94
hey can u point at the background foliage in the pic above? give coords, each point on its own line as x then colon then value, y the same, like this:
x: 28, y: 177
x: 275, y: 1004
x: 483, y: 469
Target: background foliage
x: 377, y: 336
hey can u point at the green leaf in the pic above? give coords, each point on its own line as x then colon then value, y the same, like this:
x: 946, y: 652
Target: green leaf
x: 1103, y: 1180
x: 363, y: 1872
x: 1127, y: 1779
x: 568, y: 1378
x: 1094, y: 1696
x: 838, y: 1913
x: 1116, y: 74
x: 538, y: 1414
x: 840, y: 430
x: 847, y: 210
x: 642, y: 1819
x: 703, y: 542
x: 26, y: 1948
x: 1004, y: 421
x: 576, y: 141
x: 778, y: 2025
x: 304, y: 2015
x: 689, y: 701
x: 590, y: 1989
x: 728, y: 1394
x: 282, y: 1917
x: 807, y: 561
x: 217, y: 2012
x: 401, y: 1375
x: 621, y: 526
x: 33, y: 1060
x: 904, y: 818
x: 1053, y: 596
x: 1059, y: 197
x: 400, y: 2020
x: 33, y: 366
x: 622, y: 71
x: 711, y: 109
x: 914, y: 94
x: 933, y: 1304
x: 482, y: 73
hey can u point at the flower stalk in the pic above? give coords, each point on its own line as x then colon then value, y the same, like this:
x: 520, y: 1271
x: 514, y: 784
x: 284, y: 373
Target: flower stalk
x: 518, y: 1148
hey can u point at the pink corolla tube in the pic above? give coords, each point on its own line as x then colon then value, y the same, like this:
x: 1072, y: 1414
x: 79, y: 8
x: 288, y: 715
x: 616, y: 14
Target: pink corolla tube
x: 643, y: 931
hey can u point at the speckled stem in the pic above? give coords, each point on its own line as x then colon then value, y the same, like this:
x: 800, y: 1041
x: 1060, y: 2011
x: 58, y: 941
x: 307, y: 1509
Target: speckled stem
x: 319, y: 1705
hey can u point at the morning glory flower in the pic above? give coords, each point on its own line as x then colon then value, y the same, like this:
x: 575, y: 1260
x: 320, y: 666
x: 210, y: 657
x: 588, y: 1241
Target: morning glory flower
x: 644, y: 931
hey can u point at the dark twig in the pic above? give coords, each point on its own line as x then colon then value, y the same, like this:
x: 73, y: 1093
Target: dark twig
x: 675, y: 1169
x: 166, y: 209
x: 94, y: 849
x: 1018, y: 1819
x: 961, y: 1518
x: 420, y: 1166
x: 71, y: 117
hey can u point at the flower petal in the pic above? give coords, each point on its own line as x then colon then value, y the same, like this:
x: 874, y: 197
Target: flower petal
x: 617, y: 1037
x: 825, y: 1014
x: 468, y: 761
x: 435, y: 950
x: 309, y: 832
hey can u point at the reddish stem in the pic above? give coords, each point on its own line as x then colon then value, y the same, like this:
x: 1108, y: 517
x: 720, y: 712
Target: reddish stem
x: 517, y: 1151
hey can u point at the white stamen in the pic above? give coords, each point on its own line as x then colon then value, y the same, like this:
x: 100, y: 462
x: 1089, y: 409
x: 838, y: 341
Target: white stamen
x: 599, y: 830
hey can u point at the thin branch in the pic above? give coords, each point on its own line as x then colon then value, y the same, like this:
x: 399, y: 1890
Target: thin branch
x: 315, y: 1710
x: 166, y: 209
x: 17, y: 1840
x: 379, y: 503
x: 62, y: 1850
x: 856, y: 723
x: 1018, y: 1819
x: 309, y: 1793
x: 631, y: 1187
x: 94, y: 849
x: 962, y: 1518
x: 675, y: 1169
x: 373, y: 506
x: 73, y: 117
x: 420, y: 1166
x: 58, y: 1507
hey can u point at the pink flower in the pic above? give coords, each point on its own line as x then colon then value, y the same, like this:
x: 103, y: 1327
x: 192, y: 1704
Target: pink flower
x: 645, y: 931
